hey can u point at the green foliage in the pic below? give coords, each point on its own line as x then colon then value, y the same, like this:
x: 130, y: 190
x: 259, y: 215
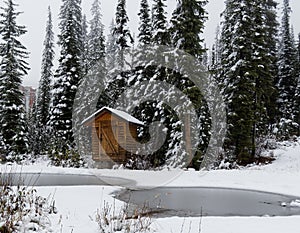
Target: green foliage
x: 247, y: 73
x: 64, y: 155
x: 145, y: 29
x: 69, y: 72
x: 96, y: 39
x: 161, y: 35
x: 37, y: 123
x: 122, y: 34
x: 13, y: 67
x: 44, y: 95
x: 187, y: 24
x: 288, y: 78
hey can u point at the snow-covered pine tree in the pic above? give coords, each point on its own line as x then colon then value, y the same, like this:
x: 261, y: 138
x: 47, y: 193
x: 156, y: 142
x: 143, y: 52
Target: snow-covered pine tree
x: 216, y: 50
x: 68, y: 74
x: 145, y: 29
x: 246, y: 75
x: 187, y: 24
x: 287, y: 72
x: 13, y: 67
x: 264, y: 65
x: 44, y: 91
x: 85, y: 46
x: 298, y: 47
x: 111, y: 47
x: 297, y: 93
x: 160, y: 32
x: 122, y: 34
x: 92, y: 83
x: 119, y: 45
x: 96, y: 37
x: 44, y: 95
x: 155, y: 30
x: 271, y: 25
x: 205, y: 58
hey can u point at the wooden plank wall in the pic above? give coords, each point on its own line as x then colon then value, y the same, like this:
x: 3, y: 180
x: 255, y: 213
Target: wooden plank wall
x: 108, y: 130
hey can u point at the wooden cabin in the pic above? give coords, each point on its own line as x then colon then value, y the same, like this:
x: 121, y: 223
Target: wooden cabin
x: 111, y: 129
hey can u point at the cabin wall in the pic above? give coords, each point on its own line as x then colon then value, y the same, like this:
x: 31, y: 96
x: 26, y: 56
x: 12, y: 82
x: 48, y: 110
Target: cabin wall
x: 109, y: 134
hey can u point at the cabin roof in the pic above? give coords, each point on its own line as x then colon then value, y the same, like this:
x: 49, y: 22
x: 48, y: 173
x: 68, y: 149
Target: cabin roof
x: 124, y: 115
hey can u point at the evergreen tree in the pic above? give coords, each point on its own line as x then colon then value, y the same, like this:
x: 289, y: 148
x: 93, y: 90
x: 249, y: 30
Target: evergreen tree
x: 85, y: 46
x: 187, y: 25
x: 122, y: 33
x: 287, y: 62
x: 265, y: 67
x: 297, y: 93
x: 271, y: 25
x: 69, y: 72
x: 145, y: 32
x: 246, y: 74
x: 145, y: 29
x: 217, y: 50
x: 119, y: 43
x: 159, y: 23
x: 44, y: 91
x: 44, y: 95
x: 96, y: 37
x: 298, y: 47
x: 111, y: 48
x: 13, y: 67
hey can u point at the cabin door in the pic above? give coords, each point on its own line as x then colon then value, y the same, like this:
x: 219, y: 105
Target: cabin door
x: 108, y: 135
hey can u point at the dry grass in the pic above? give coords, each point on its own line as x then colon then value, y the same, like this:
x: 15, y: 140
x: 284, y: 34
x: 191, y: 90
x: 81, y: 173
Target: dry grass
x: 111, y: 220
x: 21, y: 209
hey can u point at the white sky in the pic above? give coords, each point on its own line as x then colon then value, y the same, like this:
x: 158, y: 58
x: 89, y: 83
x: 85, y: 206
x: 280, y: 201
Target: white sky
x: 35, y: 16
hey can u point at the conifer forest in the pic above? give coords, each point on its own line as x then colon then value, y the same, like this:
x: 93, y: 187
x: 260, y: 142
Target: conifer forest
x: 254, y: 63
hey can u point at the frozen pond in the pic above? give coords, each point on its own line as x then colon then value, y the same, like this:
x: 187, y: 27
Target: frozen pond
x: 208, y: 201
x: 52, y: 179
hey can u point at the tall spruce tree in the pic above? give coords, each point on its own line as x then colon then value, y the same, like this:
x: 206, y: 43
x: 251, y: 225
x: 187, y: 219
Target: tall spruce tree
x: 187, y: 24
x: 111, y: 47
x: 265, y: 67
x: 186, y: 27
x: 96, y: 40
x: 287, y: 71
x: 44, y: 91
x: 297, y: 93
x: 13, y: 67
x: 94, y: 79
x: 145, y: 29
x: 122, y: 33
x: 298, y: 47
x: 119, y: 43
x: 69, y: 72
x: 85, y: 46
x: 271, y: 25
x: 159, y: 23
x: 246, y: 74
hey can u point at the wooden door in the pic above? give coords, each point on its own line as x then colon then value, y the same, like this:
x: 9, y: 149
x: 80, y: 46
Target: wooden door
x: 108, y: 137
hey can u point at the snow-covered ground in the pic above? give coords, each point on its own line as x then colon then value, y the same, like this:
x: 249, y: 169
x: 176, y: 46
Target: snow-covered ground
x: 77, y: 205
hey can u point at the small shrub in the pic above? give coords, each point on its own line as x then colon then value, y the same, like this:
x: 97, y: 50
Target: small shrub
x: 64, y: 155
x: 22, y: 210
x: 123, y: 221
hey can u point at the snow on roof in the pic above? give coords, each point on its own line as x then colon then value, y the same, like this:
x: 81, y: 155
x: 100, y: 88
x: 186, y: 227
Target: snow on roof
x: 119, y: 113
